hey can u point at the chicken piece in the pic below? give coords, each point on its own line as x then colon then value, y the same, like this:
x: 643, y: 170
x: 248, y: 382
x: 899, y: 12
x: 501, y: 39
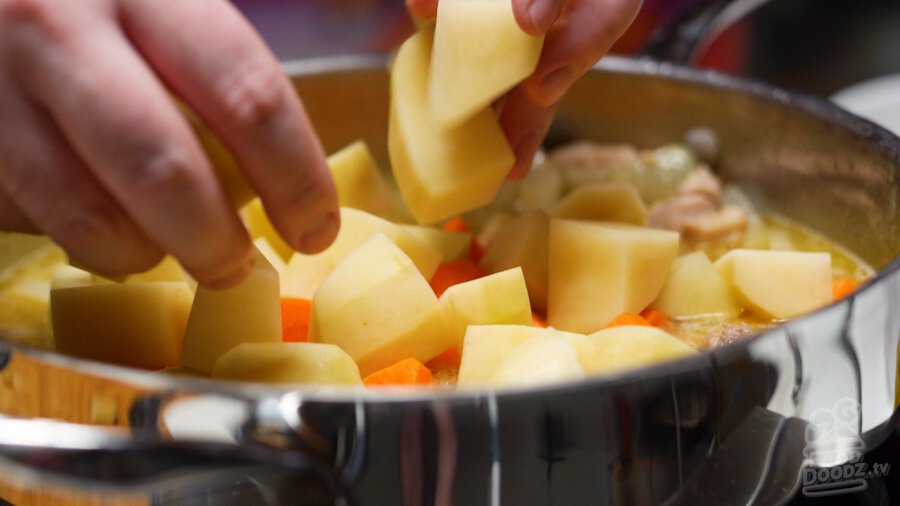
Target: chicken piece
x: 671, y: 214
x: 715, y: 225
x: 702, y: 181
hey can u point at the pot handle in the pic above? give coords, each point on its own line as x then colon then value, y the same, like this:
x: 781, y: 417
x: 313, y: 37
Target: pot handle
x: 688, y: 32
x: 181, y: 448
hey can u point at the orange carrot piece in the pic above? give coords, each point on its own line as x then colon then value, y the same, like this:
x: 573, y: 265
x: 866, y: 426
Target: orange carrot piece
x: 842, y: 287
x: 455, y: 224
x: 628, y: 319
x: 405, y: 372
x: 453, y: 273
x: 295, y: 319
x: 538, y: 320
x: 449, y: 359
x: 655, y: 317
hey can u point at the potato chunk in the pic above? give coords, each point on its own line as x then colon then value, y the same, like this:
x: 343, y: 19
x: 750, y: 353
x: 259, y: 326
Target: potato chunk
x: 358, y: 180
x: 487, y: 348
x: 778, y: 284
x: 694, y: 287
x: 379, y: 309
x: 304, y: 273
x: 479, y: 54
x: 598, y: 270
x: 298, y: 363
x: 440, y: 172
x: 132, y: 324
x: 223, y: 319
x: 629, y: 347
x: 500, y: 298
x: 619, y: 202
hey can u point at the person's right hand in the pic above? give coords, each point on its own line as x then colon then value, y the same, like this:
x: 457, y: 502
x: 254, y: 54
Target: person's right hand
x: 578, y: 33
x: 94, y: 153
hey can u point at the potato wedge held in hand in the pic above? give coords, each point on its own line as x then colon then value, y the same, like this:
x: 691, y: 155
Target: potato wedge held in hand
x: 479, y: 54
x: 440, y: 172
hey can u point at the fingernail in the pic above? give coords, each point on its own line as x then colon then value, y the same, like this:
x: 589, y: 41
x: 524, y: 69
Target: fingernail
x: 321, y: 235
x: 555, y: 83
x: 235, y: 277
x: 524, y: 151
x: 543, y: 13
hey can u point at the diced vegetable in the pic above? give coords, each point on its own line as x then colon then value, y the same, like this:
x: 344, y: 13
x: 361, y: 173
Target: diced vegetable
x: 695, y: 287
x: 539, y: 361
x: 479, y: 53
x: 598, y: 270
x: 133, y: 324
x: 304, y: 273
x: 628, y: 347
x: 295, y: 363
x: 379, y: 309
x: 522, y: 242
x: 449, y: 359
x: 451, y: 245
x: 454, y: 273
x: 258, y: 224
x: 440, y: 172
x: 223, y: 319
x: 295, y: 319
x: 778, y: 284
x: 408, y: 372
x: 358, y: 180
x: 499, y: 298
x: 618, y: 202
x: 628, y: 319
x: 842, y: 287
x: 655, y: 317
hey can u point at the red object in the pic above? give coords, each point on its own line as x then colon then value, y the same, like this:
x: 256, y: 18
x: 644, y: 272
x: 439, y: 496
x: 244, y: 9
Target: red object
x: 295, y: 319
x: 455, y: 224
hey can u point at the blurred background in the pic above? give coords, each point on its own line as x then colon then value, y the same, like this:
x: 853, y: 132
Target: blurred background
x: 815, y: 46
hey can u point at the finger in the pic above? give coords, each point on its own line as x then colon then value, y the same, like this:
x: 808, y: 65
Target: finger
x: 580, y: 37
x: 46, y: 187
x: 422, y: 9
x: 226, y: 73
x: 11, y: 219
x: 525, y: 124
x: 536, y: 16
x: 123, y: 125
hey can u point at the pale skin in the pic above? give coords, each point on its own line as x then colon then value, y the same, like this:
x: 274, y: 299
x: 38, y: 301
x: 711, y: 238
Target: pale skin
x: 94, y: 153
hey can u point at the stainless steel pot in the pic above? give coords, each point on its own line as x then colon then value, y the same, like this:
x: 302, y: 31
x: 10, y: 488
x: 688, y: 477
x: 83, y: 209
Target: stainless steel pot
x: 731, y: 426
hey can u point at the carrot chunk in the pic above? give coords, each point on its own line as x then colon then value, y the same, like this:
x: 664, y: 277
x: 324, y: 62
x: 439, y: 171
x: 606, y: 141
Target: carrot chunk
x: 538, y: 320
x: 295, y: 319
x: 449, y: 359
x: 655, y: 317
x: 476, y: 251
x: 628, y: 319
x: 842, y: 287
x: 453, y: 273
x: 455, y: 224
x: 405, y: 372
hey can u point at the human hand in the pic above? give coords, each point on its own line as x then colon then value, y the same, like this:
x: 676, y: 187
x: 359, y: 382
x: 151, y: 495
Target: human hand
x: 94, y: 153
x: 578, y: 33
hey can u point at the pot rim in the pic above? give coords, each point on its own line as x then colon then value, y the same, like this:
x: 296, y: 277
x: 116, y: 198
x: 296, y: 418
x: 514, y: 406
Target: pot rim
x: 886, y: 142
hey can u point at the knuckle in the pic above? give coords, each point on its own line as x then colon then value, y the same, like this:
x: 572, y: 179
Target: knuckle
x: 30, y: 13
x: 254, y: 95
x: 165, y: 170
